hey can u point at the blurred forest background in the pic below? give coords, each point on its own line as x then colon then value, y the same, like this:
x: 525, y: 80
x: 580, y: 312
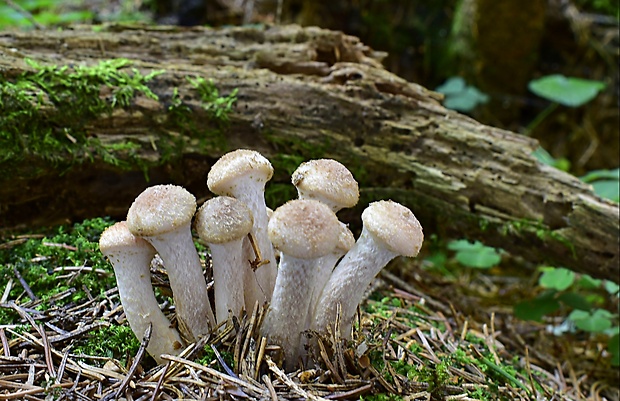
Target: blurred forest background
x: 545, y: 68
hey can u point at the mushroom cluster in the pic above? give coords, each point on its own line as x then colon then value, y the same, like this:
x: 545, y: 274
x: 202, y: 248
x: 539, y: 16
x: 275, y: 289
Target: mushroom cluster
x: 322, y: 270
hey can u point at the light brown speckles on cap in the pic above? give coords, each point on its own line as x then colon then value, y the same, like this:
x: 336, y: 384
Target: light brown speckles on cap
x: 160, y: 209
x: 328, y: 181
x: 304, y: 229
x: 118, y: 237
x: 223, y: 219
x: 226, y: 172
x: 395, y: 226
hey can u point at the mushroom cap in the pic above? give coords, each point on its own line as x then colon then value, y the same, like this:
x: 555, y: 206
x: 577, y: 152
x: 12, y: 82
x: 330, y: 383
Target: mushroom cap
x: 346, y: 240
x: 160, y: 209
x: 233, y: 166
x: 118, y: 237
x: 304, y: 229
x: 223, y: 219
x: 328, y: 181
x: 395, y: 226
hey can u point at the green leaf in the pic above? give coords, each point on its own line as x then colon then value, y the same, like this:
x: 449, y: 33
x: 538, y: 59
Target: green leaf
x: 606, y: 183
x: 475, y: 254
x: 535, y: 309
x: 596, y: 175
x: 607, y: 189
x: 568, y: 91
x: 575, y: 301
x: 452, y: 86
x: 545, y: 157
x: 613, y: 346
x: 557, y: 278
x: 595, y: 322
x: 588, y: 282
x: 611, y: 287
x: 460, y: 96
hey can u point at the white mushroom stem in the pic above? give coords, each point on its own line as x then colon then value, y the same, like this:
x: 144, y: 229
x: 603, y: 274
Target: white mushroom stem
x: 162, y: 215
x: 389, y: 230
x: 242, y: 174
x: 223, y: 223
x: 131, y: 257
x: 325, y: 266
x: 304, y: 231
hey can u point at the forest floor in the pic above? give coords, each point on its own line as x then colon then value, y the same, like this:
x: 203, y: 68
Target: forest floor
x: 420, y: 335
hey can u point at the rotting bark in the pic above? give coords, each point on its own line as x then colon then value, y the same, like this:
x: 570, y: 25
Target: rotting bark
x: 311, y: 93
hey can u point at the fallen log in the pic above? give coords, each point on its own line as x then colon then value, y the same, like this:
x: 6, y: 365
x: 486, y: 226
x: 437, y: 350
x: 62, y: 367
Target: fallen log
x: 292, y: 93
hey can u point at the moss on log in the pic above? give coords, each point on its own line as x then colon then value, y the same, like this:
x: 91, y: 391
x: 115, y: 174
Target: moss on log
x: 300, y: 93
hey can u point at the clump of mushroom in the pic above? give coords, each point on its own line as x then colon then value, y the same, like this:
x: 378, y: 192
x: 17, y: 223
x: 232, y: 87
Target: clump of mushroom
x: 321, y: 270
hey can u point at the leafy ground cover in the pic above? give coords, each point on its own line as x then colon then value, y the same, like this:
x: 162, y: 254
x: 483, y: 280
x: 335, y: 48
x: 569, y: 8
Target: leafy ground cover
x: 430, y: 329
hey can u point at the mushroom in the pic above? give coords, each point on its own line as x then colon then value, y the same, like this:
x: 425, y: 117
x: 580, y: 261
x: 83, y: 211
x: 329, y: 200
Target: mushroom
x: 326, y: 264
x: 327, y: 181
x: 130, y: 257
x: 330, y: 182
x: 389, y: 230
x: 243, y: 174
x: 222, y: 223
x: 303, y: 231
x: 162, y: 215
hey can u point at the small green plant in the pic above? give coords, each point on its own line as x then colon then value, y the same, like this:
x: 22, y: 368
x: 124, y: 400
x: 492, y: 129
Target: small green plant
x: 460, y: 96
x: 567, y: 91
x: 475, y: 254
x: 606, y: 183
x: 561, y: 90
x: 583, y: 296
x: 545, y: 157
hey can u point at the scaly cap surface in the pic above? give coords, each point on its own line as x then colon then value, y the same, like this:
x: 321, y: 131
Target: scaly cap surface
x: 236, y: 165
x: 395, y: 226
x: 304, y: 229
x: 328, y: 181
x: 160, y: 209
x: 223, y: 219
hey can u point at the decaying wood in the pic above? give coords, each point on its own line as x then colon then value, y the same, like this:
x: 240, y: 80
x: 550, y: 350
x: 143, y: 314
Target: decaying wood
x: 312, y: 92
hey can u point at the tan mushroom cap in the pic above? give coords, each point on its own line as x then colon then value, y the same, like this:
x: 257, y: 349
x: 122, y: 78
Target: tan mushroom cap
x: 117, y: 237
x: 304, y: 229
x: 328, y: 181
x: 223, y: 219
x: 226, y: 172
x: 160, y: 209
x: 346, y: 240
x: 395, y: 226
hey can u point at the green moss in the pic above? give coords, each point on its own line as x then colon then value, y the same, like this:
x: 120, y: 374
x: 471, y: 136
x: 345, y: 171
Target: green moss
x: 113, y: 341
x: 42, y: 263
x: 180, y: 118
x: 474, y: 351
x: 210, y: 357
x: 47, y: 113
x: 537, y: 227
